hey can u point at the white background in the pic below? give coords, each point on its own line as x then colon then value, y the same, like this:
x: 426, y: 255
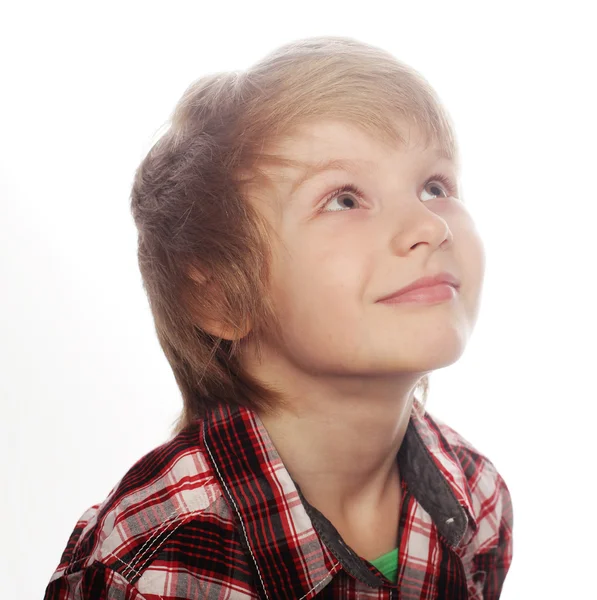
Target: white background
x: 85, y: 389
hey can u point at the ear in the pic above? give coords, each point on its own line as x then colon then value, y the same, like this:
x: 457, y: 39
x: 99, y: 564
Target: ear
x: 224, y: 331
x: 216, y: 324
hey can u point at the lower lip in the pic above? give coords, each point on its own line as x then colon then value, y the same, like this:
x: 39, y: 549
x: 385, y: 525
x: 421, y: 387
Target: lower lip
x: 426, y: 295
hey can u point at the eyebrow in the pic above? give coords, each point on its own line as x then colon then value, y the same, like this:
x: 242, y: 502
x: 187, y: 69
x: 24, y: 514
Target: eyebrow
x: 339, y: 164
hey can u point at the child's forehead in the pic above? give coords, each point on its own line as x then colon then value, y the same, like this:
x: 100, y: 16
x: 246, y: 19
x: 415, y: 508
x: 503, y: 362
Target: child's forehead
x: 333, y: 136
x: 321, y: 145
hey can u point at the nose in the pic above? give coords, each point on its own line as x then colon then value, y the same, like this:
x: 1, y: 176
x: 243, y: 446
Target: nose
x: 420, y: 226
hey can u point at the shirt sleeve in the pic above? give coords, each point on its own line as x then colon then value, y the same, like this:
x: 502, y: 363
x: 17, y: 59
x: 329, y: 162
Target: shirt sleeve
x: 496, y: 562
x: 96, y: 582
x: 79, y: 578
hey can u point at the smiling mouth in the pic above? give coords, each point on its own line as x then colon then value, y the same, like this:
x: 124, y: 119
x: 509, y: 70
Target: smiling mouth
x: 433, y: 294
x: 441, y: 286
x: 430, y: 294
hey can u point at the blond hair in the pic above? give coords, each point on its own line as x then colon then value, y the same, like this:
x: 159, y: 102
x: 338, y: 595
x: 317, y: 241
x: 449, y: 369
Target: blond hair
x: 189, y: 200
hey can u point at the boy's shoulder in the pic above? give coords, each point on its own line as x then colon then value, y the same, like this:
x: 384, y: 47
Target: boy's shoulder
x: 487, y: 494
x: 472, y: 460
x: 168, y: 487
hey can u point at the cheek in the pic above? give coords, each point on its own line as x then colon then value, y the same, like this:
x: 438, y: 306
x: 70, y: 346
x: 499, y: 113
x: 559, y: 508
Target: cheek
x: 321, y: 273
x: 474, y: 253
x: 468, y: 245
x: 470, y: 253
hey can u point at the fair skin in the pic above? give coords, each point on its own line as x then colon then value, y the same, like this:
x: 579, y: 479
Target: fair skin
x: 347, y: 364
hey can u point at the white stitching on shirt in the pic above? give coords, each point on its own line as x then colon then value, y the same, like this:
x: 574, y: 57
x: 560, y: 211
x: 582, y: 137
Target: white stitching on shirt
x: 183, y: 519
x: 330, y: 572
x: 170, y: 519
x: 161, y: 530
x: 236, y: 509
x: 125, y: 564
x: 136, y: 573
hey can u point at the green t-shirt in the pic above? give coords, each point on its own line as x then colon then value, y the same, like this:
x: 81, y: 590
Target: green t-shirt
x: 388, y: 565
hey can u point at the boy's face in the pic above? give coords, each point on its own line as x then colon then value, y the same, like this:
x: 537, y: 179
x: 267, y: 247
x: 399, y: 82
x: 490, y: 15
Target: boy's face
x: 334, y: 259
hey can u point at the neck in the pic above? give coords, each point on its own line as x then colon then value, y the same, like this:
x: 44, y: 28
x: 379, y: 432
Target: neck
x: 342, y: 464
x: 339, y: 437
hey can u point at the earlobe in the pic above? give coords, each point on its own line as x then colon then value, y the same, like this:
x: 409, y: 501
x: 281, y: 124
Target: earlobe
x: 207, y: 315
x: 224, y: 331
x: 196, y: 275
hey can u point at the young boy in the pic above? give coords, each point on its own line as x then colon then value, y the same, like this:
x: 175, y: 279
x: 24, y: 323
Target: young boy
x: 308, y: 263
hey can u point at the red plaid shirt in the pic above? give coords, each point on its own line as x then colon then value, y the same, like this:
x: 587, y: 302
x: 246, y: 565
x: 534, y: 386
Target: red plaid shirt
x: 214, y: 514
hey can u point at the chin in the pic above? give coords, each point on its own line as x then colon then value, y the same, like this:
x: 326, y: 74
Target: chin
x: 439, y: 361
x: 430, y: 354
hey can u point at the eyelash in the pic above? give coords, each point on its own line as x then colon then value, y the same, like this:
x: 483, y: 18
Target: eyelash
x: 448, y: 184
x: 446, y: 181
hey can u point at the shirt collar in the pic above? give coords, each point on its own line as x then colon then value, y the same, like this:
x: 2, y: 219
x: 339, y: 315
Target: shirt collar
x: 436, y: 478
x: 294, y: 548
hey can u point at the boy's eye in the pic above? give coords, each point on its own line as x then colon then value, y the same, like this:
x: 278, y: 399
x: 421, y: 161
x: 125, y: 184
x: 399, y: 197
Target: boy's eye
x: 435, y: 189
x: 438, y: 185
x: 347, y: 197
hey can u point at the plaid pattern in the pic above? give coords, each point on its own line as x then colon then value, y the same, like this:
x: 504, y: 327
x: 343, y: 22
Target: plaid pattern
x: 213, y: 514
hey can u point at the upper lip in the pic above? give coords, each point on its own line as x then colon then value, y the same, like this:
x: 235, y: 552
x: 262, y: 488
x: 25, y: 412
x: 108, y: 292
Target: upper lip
x: 425, y: 282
